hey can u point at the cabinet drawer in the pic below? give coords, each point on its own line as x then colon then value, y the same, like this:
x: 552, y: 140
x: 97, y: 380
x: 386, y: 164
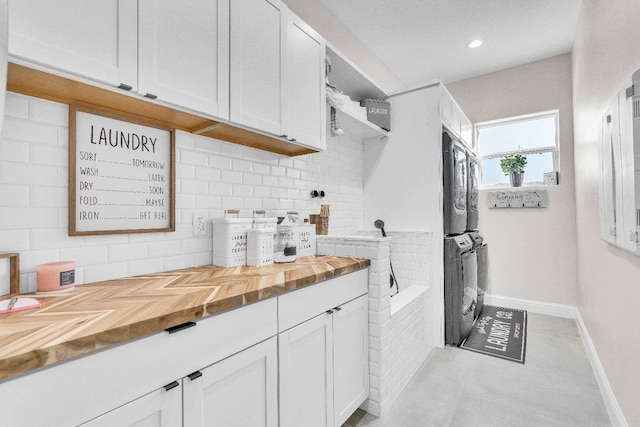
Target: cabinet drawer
x: 97, y: 383
x: 297, y: 306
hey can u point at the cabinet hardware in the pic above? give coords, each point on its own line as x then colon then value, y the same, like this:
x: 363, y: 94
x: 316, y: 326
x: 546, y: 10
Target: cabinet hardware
x: 150, y: 96
x: 124, y: 86
x: 329, y: 311
x: 180, y: 327
x: 284, y: 136
x: 171, y: 385
x: 338, y: 308
x: 196, y: 374
x: 292, y: 139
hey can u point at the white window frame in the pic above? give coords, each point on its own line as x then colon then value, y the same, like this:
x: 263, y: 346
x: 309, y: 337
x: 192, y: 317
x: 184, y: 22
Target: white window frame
x: 553, y: 149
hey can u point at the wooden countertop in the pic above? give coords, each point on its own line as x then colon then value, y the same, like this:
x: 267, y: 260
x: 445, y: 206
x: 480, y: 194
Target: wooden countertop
x: 101, y: 314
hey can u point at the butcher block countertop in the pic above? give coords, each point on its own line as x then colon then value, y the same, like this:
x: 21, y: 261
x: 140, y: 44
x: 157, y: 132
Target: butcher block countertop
x: 101, y: 314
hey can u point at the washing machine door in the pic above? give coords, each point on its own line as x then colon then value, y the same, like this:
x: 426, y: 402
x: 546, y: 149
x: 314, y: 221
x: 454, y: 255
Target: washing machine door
x: 469, y: 293
x: 454, y: 157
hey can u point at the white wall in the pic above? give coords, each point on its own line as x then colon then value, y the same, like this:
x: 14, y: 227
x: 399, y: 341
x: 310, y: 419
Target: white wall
x: 211, y: 175
x: 605, y: 54
x: 532, y: 252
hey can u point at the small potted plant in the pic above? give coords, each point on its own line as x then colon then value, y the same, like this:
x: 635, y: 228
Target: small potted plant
x: 513, y: 166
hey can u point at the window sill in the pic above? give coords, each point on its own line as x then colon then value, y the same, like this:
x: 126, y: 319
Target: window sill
x: 509, y: 187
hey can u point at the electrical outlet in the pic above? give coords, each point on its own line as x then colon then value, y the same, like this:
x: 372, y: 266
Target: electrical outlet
x: 199, y: 224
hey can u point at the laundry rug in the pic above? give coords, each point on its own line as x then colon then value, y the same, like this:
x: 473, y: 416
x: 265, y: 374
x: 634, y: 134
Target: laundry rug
x: 499, y: 332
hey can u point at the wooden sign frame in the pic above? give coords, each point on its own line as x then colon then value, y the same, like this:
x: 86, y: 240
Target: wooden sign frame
x: 121, y: 173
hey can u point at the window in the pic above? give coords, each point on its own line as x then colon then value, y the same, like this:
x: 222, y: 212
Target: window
x: 534, y: 136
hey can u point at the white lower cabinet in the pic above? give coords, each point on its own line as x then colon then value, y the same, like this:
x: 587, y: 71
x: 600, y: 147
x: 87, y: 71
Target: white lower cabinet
x: 324, y: 361
x: 239, y: 391
x: 306, y: 373
x: 299, y: 359
x: 161, y: 408
x: 350, y: 358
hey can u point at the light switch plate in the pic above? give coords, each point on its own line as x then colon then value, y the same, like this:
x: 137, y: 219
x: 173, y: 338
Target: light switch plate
x: 199, y: 223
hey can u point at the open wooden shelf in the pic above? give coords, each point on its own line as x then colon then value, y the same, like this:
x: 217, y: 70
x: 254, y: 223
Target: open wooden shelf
x: 41, y: 84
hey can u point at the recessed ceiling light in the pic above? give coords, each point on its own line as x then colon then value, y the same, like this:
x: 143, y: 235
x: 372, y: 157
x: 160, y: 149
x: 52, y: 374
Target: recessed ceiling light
x: 475, y: 43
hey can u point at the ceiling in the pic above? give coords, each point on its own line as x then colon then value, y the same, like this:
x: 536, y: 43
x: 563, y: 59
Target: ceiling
x: 425, y: 40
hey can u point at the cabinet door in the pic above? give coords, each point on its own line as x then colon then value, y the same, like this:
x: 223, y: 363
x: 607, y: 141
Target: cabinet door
x: 306, y: 374
x: 306, y: 85
x: 184, y: 53
x: 350, y: 357
x: 161, y: 408
x: 258, y: 34
x: 241, y: 390
x: 466, y: 130
x: 95, y: 39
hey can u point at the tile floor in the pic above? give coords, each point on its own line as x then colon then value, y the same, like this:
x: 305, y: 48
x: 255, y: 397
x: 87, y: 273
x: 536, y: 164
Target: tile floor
x: 459, y: 388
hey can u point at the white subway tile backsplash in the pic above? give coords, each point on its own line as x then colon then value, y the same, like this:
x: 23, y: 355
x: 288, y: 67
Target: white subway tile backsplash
x: 231, y: 176
x: 26, y: 218
x: 220, y: 162
x: 14, y: 195
x: 29, y: 131
x: 90, y: 255
x: 211, y: 175
x: 14, y: 240
x: 16, y: 105
x: 48, y: 112
x: 189, y: 157
x: 127, y: 252
x: 14, y: 151
x: 231, y: 150
x: 146, y: 266
x: 48, y: 196
x: 100, y: 272
x: 192, y: 186
x: 25, y: 173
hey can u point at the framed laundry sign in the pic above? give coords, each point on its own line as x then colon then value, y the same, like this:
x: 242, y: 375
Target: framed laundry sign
x: 121, y: 174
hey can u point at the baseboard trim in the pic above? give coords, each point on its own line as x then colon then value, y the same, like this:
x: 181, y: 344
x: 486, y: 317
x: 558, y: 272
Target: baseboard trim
x: 550, y: 309
x: 610, y: 402
x: 570, y: 312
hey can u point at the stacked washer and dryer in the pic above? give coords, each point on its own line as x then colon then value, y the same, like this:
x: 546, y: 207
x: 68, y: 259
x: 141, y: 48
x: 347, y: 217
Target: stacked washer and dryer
x: 465, y: 253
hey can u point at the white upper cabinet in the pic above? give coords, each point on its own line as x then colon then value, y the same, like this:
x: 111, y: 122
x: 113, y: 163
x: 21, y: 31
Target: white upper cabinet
x: 453, y: 118
x: 306, y: 87
x: 184, y: 54
x: 258, y: 34
x: 95, y: 39
x: 277, y: 73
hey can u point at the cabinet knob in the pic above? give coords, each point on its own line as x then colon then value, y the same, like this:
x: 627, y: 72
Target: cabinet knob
x: 329, y: 311
x: 338, y: 308
x: 125, y: 86
x: 150, y: 96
